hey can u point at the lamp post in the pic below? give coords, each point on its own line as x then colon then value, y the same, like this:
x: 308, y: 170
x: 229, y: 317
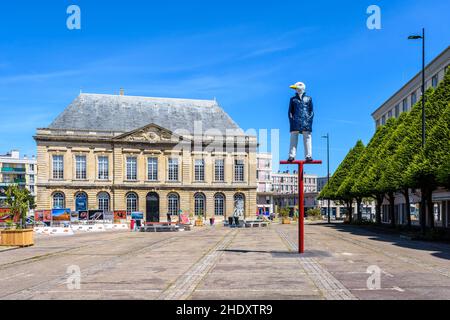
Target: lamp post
x: 415, y: 37
x: 328, y: 172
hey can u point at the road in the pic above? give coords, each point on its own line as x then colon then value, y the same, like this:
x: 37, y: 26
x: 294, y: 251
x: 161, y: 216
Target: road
x: 222, y: 263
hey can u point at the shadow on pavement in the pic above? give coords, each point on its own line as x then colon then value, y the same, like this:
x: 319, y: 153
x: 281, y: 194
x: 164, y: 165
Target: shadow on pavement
x: 442, y: 250
x: 283, y: 254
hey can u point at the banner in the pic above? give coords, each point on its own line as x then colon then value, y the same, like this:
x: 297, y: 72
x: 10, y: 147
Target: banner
x: 5, y: 214
x: 43, y: 215
x: 137, y: 216
x: 61, y: 214
x: 108, y: 215
x: 120, y: 215
x: 83, y: 215
x: 74, y: 216
x: 95, y: 214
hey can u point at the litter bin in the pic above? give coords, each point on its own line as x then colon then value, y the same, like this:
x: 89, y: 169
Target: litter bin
x: 132, y: 224
x: 211, y: 221
x: 230, y: 221
x: 236, y: 221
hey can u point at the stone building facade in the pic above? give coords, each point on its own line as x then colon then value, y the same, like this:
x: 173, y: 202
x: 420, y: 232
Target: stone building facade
x: 151, y: 155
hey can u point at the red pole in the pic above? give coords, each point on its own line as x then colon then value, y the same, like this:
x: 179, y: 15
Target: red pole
x: 301, y: 201
x: 301, y: 211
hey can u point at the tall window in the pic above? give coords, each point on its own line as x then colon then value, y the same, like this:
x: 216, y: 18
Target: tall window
x: 58, y: 167
x: 390, y: 114
x: 80, y: 167
x: 173, y: 204
x: 173, y: 169
x: 413, y: 98
x: 434, y: 81
x: 219, y: 172
x: 81, y: 202
x: 58, y: 201
x: 152, y: 168
x: 131, y: 168
x: 132, y: 200
x: 239, y: 170
x: 397, y: 110
x: 383, y: 120
x: 199, y: 204
x: 199, y: 170
x: 405, y: 105
x: 103, y: 168
x: 219, y: 204
x: 103, y: 201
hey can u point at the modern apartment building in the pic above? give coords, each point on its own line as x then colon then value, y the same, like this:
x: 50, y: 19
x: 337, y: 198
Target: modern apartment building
x: 17, y: 170
x: 264, y: 180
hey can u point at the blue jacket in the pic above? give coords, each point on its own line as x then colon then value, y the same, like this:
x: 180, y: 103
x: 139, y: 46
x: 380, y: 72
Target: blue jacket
x: 301, y: 113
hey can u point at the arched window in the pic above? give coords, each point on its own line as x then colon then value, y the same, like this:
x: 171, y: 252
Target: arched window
x: 103, y: 201
x: 59, y: 201
x: 132, y: 202
x: 173, y: 204
x: 81, y: 201
x: 239, y: 204
x: 219, y: 204
x: 199, y: 204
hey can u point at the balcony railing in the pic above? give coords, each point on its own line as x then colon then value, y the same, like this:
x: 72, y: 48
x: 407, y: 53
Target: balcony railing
x: 13, y: 170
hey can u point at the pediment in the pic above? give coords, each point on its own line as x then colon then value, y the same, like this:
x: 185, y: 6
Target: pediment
x: 150, y: 134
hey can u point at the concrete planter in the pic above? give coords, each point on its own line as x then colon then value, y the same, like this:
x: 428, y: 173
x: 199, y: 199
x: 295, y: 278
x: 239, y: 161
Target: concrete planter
x: 21, y: 238
x: 199, y: 223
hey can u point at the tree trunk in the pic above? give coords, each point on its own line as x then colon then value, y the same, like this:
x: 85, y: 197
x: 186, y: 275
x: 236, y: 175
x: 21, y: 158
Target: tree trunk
x: 358, y: 208
x: 407, y: 207
x: 430, y: 209
x: 350, y: 211
x: 379, y: 202
x: 423, y: 209
x: 392, y: 208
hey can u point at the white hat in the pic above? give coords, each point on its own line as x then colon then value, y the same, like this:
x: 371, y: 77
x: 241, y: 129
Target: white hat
x: 299, y: 86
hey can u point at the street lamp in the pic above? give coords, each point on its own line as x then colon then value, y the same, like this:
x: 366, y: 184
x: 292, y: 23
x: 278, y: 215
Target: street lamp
x: 328, y: 171
x: 416, y: 37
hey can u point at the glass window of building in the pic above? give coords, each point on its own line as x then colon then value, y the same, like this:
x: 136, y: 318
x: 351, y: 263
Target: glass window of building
x: 103, y: 168
x: 219, y: 171
x: 434, y: 81
x: 80, y: 167
x: 152, y: 168
x: 58, y: 201
x: 239, y: 170
x: 383, y: 120
x: 390, y: 114
x: 405, y: 105
x: 131, y: 168
x: 219, y: 204
x: 173, y: 204
x: 397, y: 111
x: 103, y: 201
x: 132, y: 201
x: 413, y: 99
x: 199, y: 204
x: 173, y: 169
x: 199, y: 170
x: 58, y: 167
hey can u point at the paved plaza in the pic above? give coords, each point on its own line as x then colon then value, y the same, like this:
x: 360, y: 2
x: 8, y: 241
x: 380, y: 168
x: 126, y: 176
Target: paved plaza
x: 222, y: 263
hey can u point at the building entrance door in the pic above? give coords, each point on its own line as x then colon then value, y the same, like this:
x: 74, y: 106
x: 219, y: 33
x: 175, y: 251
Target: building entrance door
x: 152, y: 207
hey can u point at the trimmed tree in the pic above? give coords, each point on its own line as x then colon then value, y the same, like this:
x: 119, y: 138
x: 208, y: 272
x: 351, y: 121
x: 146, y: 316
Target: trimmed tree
x: 331, y: 189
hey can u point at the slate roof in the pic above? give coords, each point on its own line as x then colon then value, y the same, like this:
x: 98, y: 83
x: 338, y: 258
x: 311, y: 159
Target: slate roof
x: 126, y: 113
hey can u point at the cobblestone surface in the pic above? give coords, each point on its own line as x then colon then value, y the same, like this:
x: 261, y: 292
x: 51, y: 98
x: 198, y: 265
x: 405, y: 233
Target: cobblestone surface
x: 221, y: 263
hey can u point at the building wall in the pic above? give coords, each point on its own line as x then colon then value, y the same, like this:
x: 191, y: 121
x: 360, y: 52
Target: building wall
x: 54, y: 143
x: 434, y: 71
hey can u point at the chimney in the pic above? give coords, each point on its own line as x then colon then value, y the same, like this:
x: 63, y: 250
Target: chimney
x: 121, y: 91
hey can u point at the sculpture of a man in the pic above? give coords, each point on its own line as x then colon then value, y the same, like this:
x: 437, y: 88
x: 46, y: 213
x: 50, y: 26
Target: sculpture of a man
x: 301, y: 116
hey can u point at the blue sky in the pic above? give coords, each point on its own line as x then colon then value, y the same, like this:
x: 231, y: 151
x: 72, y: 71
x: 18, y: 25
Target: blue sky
x: 244, y: 53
